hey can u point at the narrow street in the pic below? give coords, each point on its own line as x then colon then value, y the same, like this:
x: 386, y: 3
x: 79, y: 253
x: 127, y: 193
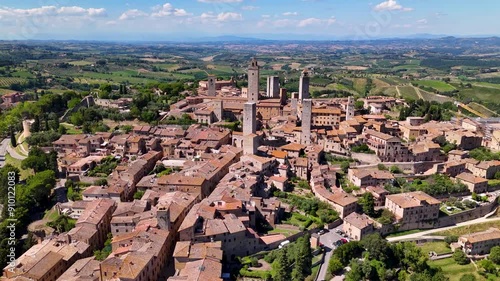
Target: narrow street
x: 327, y: 240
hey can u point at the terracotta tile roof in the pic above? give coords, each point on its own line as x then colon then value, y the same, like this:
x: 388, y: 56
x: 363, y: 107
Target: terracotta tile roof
x: 177, y: 179
x: 490, y: 234
x: 279, y: 154
x: 293, y: 147
x: 412, y: 199
x: 359, y: 221
x: 467, y: 177
x: 343, y: 199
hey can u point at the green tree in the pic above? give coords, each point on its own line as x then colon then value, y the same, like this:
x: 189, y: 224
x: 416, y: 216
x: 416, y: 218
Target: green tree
x: 495, y: 254
x: 395, y: 170
x: 460, y: 257
x: 488, y: 266
x: 335, y: 266
x: 280, y: 267
x: 451, y: 239
x: 345, y: 253
x: 63, y: 223
x: 410, y: 257
x: 356, y: 273
x: 138, y: 194
x: 13, y: 141
x: 376, y: 247
x: 367, y: 203
x: 345, y: 166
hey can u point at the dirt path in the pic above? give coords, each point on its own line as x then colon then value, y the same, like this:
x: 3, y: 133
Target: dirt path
x: 418, y: 92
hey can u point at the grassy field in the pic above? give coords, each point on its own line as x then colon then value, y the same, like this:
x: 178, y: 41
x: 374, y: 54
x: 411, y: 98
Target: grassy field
x: 51, y: 215
x: 359, y: 85
x: 408, y: 92
x: 72, y: 130
x: 454, y: 271
x: 434, y: 97
x: 481, y: 93
x: 80, y: 63
x: 482, y: 109
x: 24, y: 174
x: 286, y: 232
x: 468, y: 229
x: 438, y: 85
x: 438, y: 247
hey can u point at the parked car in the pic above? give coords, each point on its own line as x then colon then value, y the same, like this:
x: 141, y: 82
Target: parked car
x: 344, y: 240
x: 321, y: 232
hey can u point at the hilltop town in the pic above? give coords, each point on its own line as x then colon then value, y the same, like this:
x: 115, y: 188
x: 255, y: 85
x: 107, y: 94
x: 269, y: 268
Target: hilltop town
x: 252, y: 172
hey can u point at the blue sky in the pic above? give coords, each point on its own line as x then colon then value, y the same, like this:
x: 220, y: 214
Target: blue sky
x: 280, y: 19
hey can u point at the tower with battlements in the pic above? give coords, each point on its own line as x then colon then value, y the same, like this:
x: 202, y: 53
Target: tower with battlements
x: 305, y: 137
x: 304, y: 85
x: 253, y: 81
x: 211, y: 84
x: 218, y: 110
x: 349, y: 113
x: 250, y: 139
x: 273, y: 87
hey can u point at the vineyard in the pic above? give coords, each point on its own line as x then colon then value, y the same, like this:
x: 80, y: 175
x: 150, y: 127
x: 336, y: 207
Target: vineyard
x: 5, y: 82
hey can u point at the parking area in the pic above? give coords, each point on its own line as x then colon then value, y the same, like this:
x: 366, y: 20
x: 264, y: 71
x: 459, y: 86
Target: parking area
x: 328, y: 239
x: 333, y: 235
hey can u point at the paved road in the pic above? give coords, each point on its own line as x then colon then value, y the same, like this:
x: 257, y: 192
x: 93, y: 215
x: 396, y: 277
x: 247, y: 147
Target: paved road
x: 427, y: 232
x: 328, y: 239
x: 13, y: 152
x: 3, y: 151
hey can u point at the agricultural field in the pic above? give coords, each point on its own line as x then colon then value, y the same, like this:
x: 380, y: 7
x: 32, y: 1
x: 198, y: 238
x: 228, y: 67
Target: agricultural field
x: 434, y: 97
x: 408, y: 92
x: 482, y: 109
x: 5, y: 82
x: 437, y: 85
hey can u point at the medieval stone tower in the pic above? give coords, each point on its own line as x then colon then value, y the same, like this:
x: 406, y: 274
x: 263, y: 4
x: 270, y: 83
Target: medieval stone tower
x: 218, y: 110
x: 305, y: 137
x: 253, y: 81
x: 249, y: 118
x: 211, y: 85
x: 250, y: 139
x: 304, y: 85
x: 273, y: 86
x: 349, y: 109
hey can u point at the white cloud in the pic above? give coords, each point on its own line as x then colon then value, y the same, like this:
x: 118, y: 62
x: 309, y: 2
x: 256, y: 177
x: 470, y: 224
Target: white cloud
x: 249, y: 8
x: 230, y: 16
x: 391, y: 5
x: 422, y: 21
x: 53, y: 11
x: 309, y: 21
x: 208, y: 15
x: 133, y: 14
x: 266, y: 16
x: 287, y: 14
x: 331, y: 21
x: 220, y: 1
x: 168, y: 10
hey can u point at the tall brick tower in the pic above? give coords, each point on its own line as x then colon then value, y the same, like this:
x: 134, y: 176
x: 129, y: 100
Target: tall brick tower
x: 273, y: 87
x: 253, y: 81
x: 305, y: 137
x: 211, y: 86
x: 304, y: 85
x: 349, y: 109
x: 250, y: 139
